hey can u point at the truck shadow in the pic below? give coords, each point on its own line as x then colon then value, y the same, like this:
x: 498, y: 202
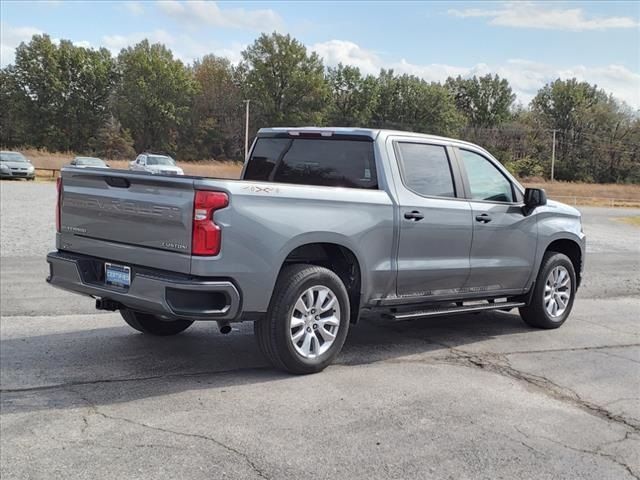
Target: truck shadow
x: 105, y: 366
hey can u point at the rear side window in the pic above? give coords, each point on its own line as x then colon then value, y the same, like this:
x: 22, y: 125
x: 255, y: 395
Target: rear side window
x: 309, y: 161
x: 425, y: 169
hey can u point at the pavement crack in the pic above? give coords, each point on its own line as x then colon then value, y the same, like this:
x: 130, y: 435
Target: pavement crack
x: 635, y: 334
x: 62, y: 386
x: 596, y: 452
x: 620, y: 357
x: 574, y: 349
x: 96, y: 411
x: 499, y: 364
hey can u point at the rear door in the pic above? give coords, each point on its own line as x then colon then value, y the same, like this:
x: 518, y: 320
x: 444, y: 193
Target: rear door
x: 131, y: 212
x: 435, y: 222
x: 504, y: 238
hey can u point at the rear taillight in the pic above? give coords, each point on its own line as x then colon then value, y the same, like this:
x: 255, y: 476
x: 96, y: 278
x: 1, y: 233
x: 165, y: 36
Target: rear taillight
x: 58, y: 202
x: 207, y: 236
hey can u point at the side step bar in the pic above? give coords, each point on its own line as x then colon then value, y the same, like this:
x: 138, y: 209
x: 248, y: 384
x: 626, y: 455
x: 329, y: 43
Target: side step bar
x: 448, y: 310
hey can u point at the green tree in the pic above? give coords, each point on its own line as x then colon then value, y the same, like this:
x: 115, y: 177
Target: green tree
x: 87, y: 78
x: 215, y: 128
x: 60, y: 93
x: 13, y: 121
x: 154, y: 96
x: 285, y: 83
x: 407, y: 102
x: 353, y: 97
x: 485, y: 101
x: 567, y: 106
x: 112, y: 141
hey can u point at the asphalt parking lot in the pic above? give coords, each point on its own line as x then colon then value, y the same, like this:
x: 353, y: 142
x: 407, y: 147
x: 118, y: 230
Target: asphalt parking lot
x: 477, y: 396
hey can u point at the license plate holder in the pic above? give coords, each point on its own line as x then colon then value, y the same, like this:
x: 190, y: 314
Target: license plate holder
x: 117, y: 275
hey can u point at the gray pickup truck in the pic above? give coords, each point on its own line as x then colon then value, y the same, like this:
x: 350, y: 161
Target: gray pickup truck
x: 326, y: 225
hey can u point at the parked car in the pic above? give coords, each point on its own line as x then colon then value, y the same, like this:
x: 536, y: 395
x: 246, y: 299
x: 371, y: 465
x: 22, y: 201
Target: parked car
x: 326, y: 225
x: 157, y: 164
x: 16, y: 165
x: 84, y: 162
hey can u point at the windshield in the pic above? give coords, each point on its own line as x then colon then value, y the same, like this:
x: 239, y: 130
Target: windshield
x: 160, y: 160
x: 89, y: 161
x: 12, y: 157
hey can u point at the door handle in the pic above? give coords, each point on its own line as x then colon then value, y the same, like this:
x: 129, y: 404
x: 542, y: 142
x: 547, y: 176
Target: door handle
x: 483, y: 218
x: 414, y: 215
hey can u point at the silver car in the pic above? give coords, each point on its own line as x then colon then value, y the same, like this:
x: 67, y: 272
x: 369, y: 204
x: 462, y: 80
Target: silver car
x: 93, y: 162
x: 156, y: 164
x: 16, y: 165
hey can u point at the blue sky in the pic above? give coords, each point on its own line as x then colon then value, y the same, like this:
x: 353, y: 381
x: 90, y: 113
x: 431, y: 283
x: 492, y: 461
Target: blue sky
x: 529, y: 43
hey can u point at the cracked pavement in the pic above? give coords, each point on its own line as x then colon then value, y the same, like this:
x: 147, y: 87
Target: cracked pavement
x: 465, y: 397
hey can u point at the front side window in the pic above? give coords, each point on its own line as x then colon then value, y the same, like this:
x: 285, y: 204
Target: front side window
x: 306, y: 161
x: 485, y: 180
x: 426, y: 169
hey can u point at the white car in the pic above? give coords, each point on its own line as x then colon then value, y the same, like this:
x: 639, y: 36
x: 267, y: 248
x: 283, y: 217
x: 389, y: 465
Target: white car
x: 84, y: 162
x: 156, y: 164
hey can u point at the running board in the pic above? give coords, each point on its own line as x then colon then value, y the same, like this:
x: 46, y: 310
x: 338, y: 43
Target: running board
x: 448, y: 310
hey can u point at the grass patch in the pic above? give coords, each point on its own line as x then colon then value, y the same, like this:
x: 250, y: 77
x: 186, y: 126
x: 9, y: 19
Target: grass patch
x: 635, y: 221
x: 572, y: 193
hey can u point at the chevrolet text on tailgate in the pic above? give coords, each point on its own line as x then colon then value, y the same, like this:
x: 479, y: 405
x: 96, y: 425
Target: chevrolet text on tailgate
x: 326, y: 226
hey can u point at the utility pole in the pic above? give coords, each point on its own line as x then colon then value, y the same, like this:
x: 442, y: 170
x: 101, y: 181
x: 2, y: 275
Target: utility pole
x: 246, y: 131
x: 553, y: 153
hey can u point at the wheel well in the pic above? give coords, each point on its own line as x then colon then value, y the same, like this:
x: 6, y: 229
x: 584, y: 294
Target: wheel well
x: 338, y: 259
x: 572, y: 250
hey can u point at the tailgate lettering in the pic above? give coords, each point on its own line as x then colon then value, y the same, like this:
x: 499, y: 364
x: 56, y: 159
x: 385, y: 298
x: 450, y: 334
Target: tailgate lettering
x: 122, y: 206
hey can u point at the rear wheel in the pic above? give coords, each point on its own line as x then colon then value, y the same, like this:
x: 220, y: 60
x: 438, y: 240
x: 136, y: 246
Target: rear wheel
x: 553, y: 294
x: 307, y: 321
x: 153, y: 325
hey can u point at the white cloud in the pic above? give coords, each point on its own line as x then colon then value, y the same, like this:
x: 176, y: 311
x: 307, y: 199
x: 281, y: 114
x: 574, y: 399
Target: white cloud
x: 209, y: 13
x: 10, y: 38
x: 532, y: 15
x: 183, y: 46
x: 134, y: 8
x: 525, y: 77
x: 115, y: 43
x: 348, y: 53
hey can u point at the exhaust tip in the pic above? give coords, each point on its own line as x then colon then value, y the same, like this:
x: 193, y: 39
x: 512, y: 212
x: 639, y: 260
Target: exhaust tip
x: 224, y: 327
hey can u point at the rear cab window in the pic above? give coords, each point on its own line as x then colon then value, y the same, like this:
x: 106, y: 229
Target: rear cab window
x: 425, y: 169
x: 332, y: 162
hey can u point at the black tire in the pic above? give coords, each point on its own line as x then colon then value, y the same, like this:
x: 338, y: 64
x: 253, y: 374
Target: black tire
x: 152, y: 325
x: 535, y: 314
x: 273, y: 332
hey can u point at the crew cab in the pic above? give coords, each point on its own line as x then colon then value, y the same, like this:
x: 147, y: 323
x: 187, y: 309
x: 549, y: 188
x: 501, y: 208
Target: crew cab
x: 326, y: 225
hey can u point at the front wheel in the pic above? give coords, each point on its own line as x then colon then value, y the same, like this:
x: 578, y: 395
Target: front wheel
x: 307, y: 320
x: 553, y: 294
x: 152, y: 325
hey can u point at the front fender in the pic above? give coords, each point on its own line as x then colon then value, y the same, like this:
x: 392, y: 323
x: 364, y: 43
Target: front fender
x: 557, y: 221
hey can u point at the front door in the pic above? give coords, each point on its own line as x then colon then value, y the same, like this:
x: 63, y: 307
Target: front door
x: 435, y: 224
x: 504, y: 238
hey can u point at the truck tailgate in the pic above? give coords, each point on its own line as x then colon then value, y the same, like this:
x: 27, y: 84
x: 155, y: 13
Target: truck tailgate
x: 141, y: 216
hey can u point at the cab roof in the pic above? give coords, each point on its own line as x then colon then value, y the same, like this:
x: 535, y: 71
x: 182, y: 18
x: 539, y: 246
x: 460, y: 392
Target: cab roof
x: 371, y: 133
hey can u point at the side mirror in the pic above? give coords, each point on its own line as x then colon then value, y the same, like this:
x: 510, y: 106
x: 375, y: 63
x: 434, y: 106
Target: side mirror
x: 534, y: 197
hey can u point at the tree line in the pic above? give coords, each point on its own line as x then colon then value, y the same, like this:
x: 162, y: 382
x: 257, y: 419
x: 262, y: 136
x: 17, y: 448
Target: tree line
x: 64, y: 97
